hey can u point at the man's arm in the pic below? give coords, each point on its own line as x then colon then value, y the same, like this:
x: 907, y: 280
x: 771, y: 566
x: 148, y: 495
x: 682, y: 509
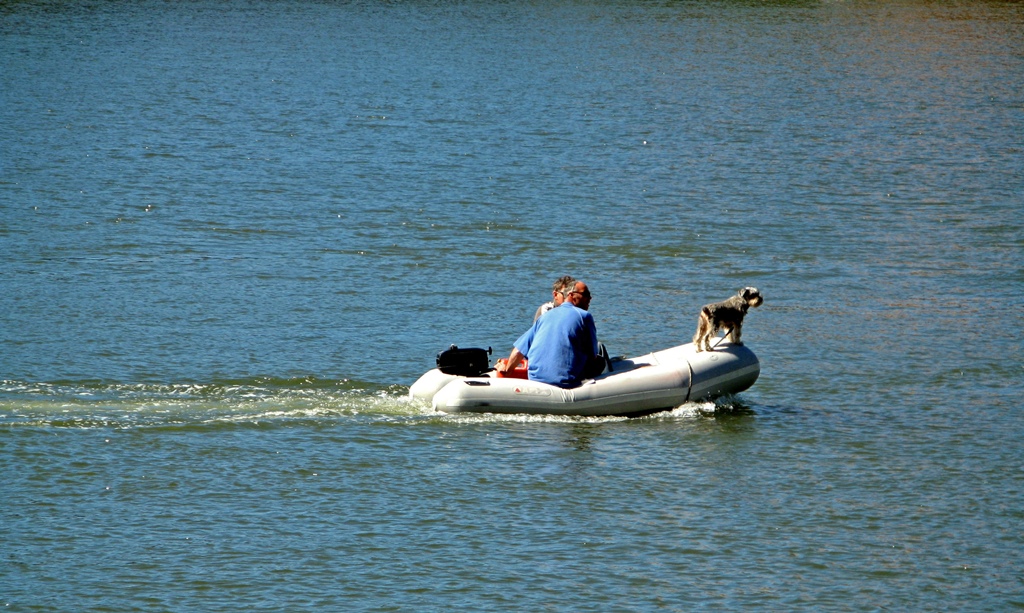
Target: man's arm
x: 513, y: 360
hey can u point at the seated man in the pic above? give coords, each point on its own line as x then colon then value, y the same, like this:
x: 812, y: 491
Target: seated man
x: 560, y: 345
x: 562, y: 285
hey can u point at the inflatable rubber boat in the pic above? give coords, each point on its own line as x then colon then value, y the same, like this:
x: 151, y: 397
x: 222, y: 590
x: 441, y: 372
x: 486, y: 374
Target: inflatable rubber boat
x: 635, y: 386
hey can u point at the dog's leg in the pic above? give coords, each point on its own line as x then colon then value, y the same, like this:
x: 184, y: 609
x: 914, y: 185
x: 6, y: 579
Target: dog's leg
x: 734, y: 334
x: 711, y: 333
x: 703, y: 326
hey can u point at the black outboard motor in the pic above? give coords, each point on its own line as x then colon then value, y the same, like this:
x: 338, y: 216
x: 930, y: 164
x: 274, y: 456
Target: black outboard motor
x: 464, y: 362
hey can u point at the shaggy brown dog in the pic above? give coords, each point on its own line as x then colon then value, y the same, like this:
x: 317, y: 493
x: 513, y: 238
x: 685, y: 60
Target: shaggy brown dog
x: 726, y: 314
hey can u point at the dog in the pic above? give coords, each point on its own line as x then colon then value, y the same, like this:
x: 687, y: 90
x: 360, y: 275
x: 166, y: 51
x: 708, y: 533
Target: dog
x: 726, y: 314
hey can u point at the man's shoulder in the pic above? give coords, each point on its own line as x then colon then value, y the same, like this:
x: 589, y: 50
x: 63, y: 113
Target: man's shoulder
x: 572, y: 313
x: 579, y: 311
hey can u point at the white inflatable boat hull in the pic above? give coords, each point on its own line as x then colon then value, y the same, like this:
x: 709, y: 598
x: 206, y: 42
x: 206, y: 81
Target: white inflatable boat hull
x: 656, y: 381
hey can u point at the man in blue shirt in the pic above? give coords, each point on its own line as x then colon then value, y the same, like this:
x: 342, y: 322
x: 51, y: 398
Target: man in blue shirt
x: 561, y: 343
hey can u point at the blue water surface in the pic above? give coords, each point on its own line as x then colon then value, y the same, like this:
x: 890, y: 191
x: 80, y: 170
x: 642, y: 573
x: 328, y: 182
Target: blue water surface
x: 234, y: 233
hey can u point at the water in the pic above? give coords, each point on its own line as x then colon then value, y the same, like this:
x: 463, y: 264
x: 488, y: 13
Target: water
x: 234, y: 233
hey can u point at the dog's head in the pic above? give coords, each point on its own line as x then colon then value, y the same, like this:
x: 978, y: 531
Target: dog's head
x: 751, y: 296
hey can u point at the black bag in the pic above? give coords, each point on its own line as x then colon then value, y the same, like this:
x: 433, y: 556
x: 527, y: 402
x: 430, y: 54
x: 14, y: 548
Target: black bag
x: 464, y: 362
